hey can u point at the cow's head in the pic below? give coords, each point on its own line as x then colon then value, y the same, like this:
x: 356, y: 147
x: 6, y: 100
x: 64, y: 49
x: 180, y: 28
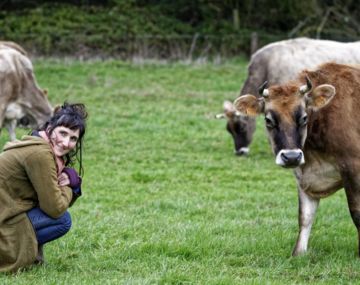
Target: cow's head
x: 35, y: 106
x: 285, y: 108
x: 239, y: 127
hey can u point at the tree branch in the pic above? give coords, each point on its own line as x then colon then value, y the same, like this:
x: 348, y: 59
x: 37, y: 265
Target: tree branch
x: 322, y: 23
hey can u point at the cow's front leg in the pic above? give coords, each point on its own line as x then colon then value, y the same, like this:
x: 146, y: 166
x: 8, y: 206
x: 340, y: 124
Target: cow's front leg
x: 11, y: 127
x: 307, y: 210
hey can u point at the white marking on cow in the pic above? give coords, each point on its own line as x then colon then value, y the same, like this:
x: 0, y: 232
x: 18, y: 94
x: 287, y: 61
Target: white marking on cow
x: 320, y: 176
x: 265, y: 93
x: 13, y: 113
x: 303, y: 89
x: 279, y: 157
x: 243, y: 150
x: 308, y: 207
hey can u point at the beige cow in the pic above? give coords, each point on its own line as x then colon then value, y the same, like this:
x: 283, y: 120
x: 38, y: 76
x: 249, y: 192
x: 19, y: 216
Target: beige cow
x: 21, y: 99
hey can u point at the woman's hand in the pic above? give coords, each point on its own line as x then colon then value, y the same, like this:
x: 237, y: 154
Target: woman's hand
x: 63, y: 179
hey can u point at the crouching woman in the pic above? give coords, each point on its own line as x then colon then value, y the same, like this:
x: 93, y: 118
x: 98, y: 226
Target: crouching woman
x: 37, y: 186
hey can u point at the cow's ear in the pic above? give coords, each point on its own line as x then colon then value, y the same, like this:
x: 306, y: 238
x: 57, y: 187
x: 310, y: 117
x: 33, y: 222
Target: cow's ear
x: 249, y: 105
x: 228, y: 106
x: 57, y: 108
x: 320, y: 96
x: 220, y: 116
x: 229, y: 110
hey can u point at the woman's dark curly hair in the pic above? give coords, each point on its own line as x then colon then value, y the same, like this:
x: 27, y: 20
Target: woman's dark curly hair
x: 72, y: 116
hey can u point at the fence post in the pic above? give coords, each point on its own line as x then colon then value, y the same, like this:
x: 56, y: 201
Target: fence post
x: 192, y: 48
x: 254, y: 42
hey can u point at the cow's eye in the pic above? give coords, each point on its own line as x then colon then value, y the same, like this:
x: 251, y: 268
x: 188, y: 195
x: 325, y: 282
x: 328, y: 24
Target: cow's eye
x: 270, y: 123
x: 303, y: 121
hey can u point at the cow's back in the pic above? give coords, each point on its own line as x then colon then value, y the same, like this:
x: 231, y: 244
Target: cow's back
x: 282, y: 61
x: 12, y: 61
x: 13, y: 45
x: 299, y: 54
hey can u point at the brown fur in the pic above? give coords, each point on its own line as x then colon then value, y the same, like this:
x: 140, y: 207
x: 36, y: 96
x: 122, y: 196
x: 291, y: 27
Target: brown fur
x: 334, y: 134
x: 339, y: 120
x: 284, y: 101
x: 330, y: 142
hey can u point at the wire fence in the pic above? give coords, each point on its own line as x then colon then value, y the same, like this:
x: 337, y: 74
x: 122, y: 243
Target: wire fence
x: 170, y: 47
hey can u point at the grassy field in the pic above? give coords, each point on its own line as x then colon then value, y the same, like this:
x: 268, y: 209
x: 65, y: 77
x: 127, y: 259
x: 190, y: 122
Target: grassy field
x: 166, y: 201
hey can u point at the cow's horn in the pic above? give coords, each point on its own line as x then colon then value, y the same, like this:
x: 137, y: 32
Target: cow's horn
x: 262, y: 91
x: 306, y: 88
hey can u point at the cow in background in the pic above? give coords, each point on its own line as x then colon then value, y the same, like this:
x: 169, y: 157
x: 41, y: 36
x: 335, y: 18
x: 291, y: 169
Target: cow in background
x: 239, y: 127
x: 280, y: 62
x: 21, y: 100
x: 313, y: 127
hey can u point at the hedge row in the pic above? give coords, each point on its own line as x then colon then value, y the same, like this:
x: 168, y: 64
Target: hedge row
x: 60, y: 29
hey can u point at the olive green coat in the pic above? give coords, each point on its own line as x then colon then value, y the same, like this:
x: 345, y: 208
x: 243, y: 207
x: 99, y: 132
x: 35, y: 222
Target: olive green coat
x: 28, y: 178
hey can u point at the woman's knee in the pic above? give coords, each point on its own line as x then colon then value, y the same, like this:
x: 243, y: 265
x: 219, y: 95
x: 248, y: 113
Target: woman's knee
x: 65, y: 221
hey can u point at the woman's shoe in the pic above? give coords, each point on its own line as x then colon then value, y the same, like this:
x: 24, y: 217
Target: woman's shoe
x: 40, y: 259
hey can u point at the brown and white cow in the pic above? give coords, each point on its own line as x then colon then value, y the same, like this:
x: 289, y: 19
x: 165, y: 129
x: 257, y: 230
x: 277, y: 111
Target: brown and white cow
x: 280, y: 62
x: 313, y: 126
x: 21, y: 99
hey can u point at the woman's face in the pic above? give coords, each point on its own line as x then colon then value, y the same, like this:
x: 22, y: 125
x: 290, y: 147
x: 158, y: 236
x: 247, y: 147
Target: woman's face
x: 64, y: 140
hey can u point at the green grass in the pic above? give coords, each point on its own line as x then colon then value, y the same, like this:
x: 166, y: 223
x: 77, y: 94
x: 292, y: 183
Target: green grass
x: 166, y: 201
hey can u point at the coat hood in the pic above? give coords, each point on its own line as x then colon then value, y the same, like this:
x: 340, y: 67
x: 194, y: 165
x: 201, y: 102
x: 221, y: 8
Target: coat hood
x: 25, y: 141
